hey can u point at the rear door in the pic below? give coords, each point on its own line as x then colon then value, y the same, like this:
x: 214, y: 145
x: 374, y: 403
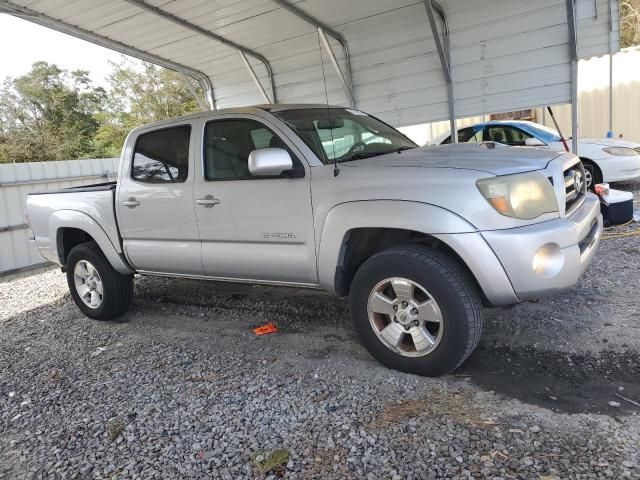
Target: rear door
x: 252, y: 227
x: 154, y: 202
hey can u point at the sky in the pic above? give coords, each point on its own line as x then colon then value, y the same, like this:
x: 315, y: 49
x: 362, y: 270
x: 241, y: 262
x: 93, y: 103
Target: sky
x: 22, y: 43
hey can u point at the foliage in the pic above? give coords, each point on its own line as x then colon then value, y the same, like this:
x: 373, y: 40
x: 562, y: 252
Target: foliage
x: 48, y: 114
x: 629, y: 23
x: 53, y: 114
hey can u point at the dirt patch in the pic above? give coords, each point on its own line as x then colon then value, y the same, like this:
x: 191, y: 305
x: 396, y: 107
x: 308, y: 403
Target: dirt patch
x: 458, y: 407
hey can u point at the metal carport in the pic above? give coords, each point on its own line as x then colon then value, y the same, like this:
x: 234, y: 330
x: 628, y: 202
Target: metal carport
x: 380, y: 56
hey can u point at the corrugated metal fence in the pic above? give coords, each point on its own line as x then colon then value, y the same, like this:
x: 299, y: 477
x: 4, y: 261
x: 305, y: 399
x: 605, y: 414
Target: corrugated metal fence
x: 19, y: 179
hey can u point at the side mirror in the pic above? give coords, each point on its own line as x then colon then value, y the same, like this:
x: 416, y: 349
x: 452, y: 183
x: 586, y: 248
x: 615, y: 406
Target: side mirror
x: 269, y: 161
x: 534, y: 142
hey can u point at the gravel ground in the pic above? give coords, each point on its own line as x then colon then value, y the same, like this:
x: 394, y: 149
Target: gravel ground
x: 180, y: 387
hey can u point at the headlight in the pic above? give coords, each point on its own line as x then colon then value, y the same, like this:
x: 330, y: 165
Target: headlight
x: 620, y: 151
x: 525, y: 195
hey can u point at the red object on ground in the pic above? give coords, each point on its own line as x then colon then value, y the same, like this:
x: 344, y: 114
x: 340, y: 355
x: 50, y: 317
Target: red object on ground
x: 266, y: 328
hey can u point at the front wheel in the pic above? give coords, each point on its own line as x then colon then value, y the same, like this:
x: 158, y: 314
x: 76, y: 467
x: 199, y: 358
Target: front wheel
x: 416, y: 310
x: 592, y: 174
x: 98, y: 290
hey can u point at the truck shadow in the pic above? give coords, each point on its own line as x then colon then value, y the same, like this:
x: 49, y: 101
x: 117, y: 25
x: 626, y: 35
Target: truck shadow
x: 571, y: 383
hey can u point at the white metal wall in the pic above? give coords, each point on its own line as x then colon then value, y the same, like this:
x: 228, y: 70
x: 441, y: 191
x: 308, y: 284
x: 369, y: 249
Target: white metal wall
x: 19, y: 179
x: 593, y: 97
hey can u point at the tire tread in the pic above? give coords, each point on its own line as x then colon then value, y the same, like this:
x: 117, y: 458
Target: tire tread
x: 456, y: 276
x: 120, y: 286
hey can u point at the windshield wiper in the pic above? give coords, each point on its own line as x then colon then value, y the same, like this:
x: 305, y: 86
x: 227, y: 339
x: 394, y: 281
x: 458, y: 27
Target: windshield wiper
x: 362, y: 155
x: 402, y: 149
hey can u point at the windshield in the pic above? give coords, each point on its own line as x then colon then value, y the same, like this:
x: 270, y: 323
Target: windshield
x: 544, y: 132
x: 343, y: 134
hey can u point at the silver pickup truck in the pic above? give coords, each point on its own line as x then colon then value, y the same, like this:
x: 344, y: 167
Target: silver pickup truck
x: 418, y: 239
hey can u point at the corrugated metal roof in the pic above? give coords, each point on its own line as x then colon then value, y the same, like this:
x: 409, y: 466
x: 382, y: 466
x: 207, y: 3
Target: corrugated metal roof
x: 505, y: 54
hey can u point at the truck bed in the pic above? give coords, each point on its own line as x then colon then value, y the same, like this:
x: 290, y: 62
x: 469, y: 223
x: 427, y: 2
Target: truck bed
x: 95, y: 187
x: 47, y: 210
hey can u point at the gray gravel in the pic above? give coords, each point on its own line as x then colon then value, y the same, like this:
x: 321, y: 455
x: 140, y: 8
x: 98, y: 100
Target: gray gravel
x: 180, y: 388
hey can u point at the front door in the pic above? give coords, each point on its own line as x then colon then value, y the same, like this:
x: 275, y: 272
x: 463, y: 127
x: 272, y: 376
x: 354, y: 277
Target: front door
x: 155, y: 206
x: 252, y: 227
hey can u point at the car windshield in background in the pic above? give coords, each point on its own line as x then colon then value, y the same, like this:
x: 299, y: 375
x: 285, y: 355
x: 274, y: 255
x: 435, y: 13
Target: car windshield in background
x: 544, y: 132
x: 343, y: 134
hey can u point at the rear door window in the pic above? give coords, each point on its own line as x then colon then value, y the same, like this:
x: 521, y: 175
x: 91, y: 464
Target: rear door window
x: 162, y: 156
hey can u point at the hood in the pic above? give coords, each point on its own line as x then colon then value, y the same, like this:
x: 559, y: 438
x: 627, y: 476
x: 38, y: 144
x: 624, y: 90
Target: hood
x: 609, y: 142
x: 501, y: 160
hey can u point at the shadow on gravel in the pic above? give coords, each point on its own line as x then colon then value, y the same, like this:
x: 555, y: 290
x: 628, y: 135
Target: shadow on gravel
x: 560, y: 382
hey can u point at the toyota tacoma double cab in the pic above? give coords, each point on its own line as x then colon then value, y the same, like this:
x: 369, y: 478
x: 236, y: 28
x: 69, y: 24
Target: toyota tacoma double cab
x: 418, y: 239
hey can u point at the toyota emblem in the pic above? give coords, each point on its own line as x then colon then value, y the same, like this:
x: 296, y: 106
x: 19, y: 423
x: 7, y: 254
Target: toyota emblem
x: 578, y: 180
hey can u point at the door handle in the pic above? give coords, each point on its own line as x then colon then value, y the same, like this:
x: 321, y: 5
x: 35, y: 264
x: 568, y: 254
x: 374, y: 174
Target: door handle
x: 131, y: 203
x: 208, y: 201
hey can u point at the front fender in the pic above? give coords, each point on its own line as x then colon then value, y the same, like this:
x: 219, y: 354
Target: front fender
x: 400, y: 214
x: 75, y: 219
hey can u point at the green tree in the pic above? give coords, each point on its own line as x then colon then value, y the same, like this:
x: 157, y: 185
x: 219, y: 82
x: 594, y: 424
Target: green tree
x: 629, y: 23
x: 48, y: 114
x: 139, y: 95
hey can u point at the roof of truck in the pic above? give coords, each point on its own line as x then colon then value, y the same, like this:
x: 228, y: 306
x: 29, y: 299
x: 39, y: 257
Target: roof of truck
x: 276, y: 107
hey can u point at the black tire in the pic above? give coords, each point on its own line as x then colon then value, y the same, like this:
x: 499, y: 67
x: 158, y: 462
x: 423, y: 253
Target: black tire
x: 117, y: 288
x: 595, y: 172
x: 449, y: 285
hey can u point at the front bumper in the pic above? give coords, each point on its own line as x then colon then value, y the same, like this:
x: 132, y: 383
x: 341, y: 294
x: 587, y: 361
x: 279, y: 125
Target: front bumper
x: 572, y: 240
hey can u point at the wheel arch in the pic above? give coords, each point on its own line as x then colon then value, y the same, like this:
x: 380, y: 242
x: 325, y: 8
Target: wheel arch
x: 354, y: 231
x: 69, y: 228
x: 597, y: 169
x: 360, y: 244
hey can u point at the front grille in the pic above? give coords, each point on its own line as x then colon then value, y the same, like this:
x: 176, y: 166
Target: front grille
x: 575, y: 186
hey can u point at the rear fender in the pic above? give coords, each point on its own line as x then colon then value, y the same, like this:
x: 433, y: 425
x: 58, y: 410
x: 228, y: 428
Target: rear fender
x: 74, y: 219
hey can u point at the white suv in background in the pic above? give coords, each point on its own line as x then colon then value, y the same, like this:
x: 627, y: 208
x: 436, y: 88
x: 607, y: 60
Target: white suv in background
x: 604, y: 160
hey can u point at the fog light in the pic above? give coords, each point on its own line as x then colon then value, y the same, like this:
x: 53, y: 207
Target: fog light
x: 548, y: 260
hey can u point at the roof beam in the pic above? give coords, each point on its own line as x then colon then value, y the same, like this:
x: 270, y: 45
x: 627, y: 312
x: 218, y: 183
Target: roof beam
x: 256, y: 80
x: 346, y: 84
x: 60, y: 26
x: 444, y: 52
x: 213, y: 36
x: 573, y: 55
x: 194, y: 94
x: 345, y: 77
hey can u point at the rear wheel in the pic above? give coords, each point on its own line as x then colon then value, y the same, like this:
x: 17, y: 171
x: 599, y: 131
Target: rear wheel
x: 416, y: 310
x: 98, y: 290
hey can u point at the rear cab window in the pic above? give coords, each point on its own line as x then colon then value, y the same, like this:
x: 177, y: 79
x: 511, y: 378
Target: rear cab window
x: 162, y: 156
